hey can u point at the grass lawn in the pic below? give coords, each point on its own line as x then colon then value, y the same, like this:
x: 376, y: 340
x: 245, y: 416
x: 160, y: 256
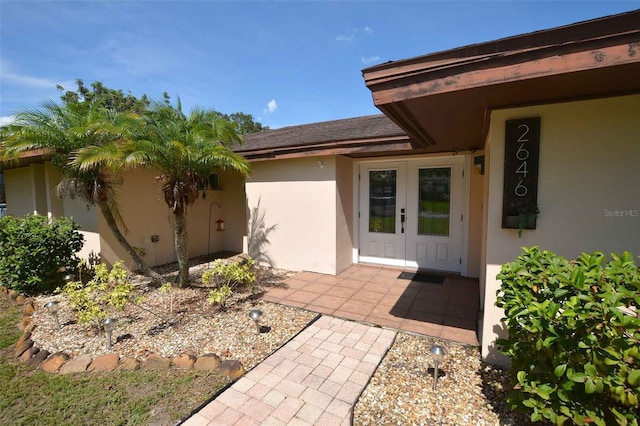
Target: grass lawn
x: 29, y: 396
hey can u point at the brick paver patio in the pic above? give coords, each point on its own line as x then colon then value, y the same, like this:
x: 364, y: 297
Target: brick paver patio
x: 375, y: 295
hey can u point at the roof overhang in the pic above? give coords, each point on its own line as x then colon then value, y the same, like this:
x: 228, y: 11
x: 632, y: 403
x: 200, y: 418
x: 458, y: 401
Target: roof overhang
x: 346, y: 147
x: 26, y: 158
x: 443, y: 100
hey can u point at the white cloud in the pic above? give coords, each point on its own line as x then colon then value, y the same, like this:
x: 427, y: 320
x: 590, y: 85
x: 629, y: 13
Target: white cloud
x: 28, y: 81
x: 346, y: 38
x: 351, y: 34
x: 370, y: 59
x: 6, y: 120
x: 272, y: 106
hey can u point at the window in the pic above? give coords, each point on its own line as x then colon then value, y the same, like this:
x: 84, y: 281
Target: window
x: 434, y: 206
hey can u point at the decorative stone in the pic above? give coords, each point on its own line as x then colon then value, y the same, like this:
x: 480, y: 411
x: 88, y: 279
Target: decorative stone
x: 20, y: 299
x: 76, y: 365
x: 13, y: 294
x: 29, y: 353
x: 24, y: 323
x: 128, y: 364
x: 231, y: 368
x: 29, y: 308
x: 207, y: 362
x: 38, y: 358
x: 25, y: 336
x: 29, y: 329
x: 183, y: 361
x: 23, y: 347
x: 55, y: 362
x: 106, y: 362
x: 155, y: 363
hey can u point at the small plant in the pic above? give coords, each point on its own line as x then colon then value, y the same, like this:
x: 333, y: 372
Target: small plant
x: 35, y: 250
x: 227, y: 278
x: 108, y: 290
x: 524, y: 214
x: 86, y: 267
x: 167, y: 290
x: 219, y: 296
x: 574, y: 337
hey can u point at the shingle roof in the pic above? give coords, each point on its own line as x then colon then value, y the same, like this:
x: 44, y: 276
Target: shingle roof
x: 358, y: 129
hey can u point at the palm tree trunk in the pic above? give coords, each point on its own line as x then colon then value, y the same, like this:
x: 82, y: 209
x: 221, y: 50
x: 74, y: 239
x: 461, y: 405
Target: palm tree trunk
x: 181, y: 245
x: 111, y: 223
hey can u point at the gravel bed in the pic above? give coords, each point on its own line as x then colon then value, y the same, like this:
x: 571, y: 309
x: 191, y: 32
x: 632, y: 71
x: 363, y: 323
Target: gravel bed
x: 469, y: 392
x: 195, y: 327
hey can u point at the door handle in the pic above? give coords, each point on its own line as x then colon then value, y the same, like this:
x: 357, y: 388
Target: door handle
x: 402, y: 218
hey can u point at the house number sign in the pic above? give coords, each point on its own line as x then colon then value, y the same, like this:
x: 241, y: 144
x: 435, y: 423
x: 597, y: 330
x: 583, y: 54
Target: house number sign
x: 520, y: 197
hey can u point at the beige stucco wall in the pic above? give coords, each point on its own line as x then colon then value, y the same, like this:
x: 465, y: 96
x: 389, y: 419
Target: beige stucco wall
x: 589, y: 168
x: 344, y: 213
x: 26, y: 190
x: 52, y: 177
x: 30, y: 190
x: 19, y: 191
x: 234, y: 208
x: 145, y: 213
x: 476, y: 200
x: 39, y: 189
x: 296, y: 201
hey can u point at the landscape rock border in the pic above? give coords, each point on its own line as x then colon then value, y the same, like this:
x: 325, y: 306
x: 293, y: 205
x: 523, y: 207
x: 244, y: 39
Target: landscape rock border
x: 62, y: 363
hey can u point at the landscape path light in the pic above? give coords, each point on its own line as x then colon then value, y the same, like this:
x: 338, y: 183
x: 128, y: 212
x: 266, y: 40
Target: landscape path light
x: 109, y: 326
x: 437, y: 353
x: 255, y: 316
x: 53, y: 307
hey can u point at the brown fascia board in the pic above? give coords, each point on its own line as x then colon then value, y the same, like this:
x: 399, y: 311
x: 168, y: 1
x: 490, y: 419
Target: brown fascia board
x: 345, y: 147
x: 447, y: 71
x: 513, y: 67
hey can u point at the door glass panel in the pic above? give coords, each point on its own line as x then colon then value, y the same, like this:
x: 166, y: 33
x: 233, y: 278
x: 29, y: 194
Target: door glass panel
x: 382, y: 201
x: 434, y: 207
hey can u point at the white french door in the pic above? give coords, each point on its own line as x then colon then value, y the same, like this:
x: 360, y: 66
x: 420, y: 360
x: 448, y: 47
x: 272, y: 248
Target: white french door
x: 411, y: 213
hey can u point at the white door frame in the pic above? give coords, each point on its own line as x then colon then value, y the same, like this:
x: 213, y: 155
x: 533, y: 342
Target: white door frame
x: 464, y: 243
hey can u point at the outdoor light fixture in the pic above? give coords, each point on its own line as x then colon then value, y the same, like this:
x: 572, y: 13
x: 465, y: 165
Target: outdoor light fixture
x: 68, y: 278
x: 255, y: 316
x: 437, y: 353
x: 109, y: 326
x: 220, y: 225
x: 53, y: 307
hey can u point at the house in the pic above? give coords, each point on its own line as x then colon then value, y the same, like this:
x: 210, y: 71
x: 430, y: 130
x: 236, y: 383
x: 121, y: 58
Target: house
x: 493, y: 132
x: 539, y: 131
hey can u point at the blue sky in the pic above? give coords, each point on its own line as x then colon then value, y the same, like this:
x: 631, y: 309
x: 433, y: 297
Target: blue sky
x: 286, y: 63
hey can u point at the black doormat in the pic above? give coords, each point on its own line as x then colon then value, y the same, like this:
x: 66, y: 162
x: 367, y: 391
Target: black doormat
x: 422, y: 277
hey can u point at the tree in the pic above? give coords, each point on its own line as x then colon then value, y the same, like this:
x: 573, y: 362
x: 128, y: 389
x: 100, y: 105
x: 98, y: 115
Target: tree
x: 88, y: 119
x: 183, y: 150
x: 111, y: 99
x: 245, y: 122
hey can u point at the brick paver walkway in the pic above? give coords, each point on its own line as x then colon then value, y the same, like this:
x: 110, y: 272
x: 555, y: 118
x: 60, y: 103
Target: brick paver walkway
x: 315, y: 379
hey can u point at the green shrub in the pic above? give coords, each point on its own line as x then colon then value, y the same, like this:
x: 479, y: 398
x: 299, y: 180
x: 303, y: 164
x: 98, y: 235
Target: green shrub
x: 574, y: 338
x: 108, y: 290
x: 227, y: 278
x: 35, y: 251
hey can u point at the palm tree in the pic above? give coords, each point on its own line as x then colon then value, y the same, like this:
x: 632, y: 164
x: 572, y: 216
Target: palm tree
x: 183, y: 150
x: 62, y: 129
